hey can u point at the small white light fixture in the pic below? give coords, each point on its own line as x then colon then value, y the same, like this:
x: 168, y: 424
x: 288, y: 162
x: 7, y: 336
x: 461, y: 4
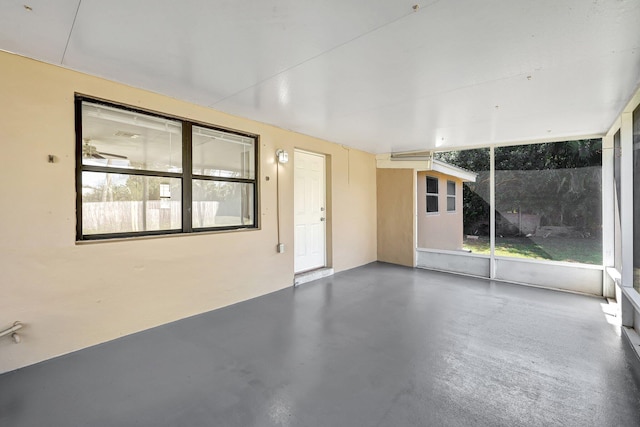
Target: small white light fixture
x: 283, y: 156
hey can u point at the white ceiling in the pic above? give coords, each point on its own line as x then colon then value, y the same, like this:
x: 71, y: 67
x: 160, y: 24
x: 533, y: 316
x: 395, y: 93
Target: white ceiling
x: 371, y: 74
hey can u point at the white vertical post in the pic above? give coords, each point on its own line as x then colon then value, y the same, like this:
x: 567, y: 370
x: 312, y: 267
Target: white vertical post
x: 608, y: 220
x: 492, y: 212
x: 626, y: 212
x: 415, y: 217
x: 626, y: 197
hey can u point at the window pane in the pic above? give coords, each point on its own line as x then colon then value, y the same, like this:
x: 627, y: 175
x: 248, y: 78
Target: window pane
x: 115, y: 203
x: 113, y: 137
x: 548, y: 201
x: 636, y: 199
x: 222, y: 204
x: 432, y: 185
x: 451, y: 188
x: 451, y: 203
x: 217, y: 153
x: 432, y: 203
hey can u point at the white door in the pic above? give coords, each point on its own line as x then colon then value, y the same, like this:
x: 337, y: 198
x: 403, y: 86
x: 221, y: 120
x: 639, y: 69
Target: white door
x: 310, y: 211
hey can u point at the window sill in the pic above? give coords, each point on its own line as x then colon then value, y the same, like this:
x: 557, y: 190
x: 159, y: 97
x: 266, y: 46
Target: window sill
x: 164, y: 236
x: 633, y: 296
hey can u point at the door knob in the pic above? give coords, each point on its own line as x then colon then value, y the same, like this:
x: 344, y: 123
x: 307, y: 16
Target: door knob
x: 322, y: 219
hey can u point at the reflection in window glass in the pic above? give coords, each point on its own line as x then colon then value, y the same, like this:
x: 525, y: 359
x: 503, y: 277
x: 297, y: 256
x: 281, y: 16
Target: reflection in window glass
x: 617, y: 241
x: 117, y: 203
x: 432, y: 194
x: 222, y: 204
x: 222, y: 154
x: 451, y: 196
x: 548, y: 201
x: 131, y: 174
x: 636, y: 199
x: 432, y: 185
x: 114, y: 137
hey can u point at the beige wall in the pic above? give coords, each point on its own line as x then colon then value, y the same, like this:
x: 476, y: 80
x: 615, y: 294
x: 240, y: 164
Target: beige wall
x: 442, y: 230
x: 396, y: 216
x: 70, y: 295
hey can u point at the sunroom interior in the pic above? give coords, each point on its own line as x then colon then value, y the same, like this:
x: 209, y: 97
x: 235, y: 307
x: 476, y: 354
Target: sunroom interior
x: 502, y: 143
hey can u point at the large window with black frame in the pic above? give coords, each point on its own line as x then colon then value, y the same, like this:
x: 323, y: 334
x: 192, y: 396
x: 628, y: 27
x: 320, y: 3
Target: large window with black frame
x: 140, y: 173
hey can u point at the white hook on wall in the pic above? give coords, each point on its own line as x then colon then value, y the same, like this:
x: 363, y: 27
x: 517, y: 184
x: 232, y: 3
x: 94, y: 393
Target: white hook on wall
x: 17, y: 325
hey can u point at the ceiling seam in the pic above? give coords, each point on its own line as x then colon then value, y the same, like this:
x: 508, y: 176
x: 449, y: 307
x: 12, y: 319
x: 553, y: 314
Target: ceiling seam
x: 414, y: 11
x: 73, y: 24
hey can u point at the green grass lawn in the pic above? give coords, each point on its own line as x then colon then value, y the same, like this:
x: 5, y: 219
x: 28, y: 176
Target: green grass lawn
x: 587, y: 251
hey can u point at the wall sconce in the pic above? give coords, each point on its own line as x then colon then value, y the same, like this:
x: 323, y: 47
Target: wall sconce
x: 283, y: 156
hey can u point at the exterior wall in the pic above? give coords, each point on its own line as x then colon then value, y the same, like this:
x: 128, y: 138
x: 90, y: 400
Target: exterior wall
x: 454, y: 262
x: 396, y: 220
x: 552, y: 274
x: 443, y: 230
x: 70, y: 296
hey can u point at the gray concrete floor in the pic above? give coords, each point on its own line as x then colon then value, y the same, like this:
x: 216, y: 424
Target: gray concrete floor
x: 379, y: 345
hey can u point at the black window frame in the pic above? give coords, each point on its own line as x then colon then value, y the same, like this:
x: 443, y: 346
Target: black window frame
x: 434, y: 195
x: 187, y: 176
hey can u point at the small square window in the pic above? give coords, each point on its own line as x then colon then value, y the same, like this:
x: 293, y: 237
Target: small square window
x: 432, y: 204
x: 432, y: 185
x: 432, y: 194
x: 451, y: 188
x: 451, y: 196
